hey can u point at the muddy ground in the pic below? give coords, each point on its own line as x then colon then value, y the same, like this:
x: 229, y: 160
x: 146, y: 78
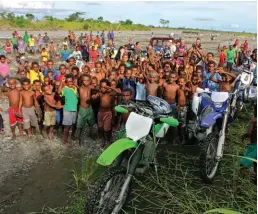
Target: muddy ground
x: 37, y: 172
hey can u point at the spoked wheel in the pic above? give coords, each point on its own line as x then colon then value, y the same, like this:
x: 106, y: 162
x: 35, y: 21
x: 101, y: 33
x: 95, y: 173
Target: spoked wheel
x: 208, y: 162
x: 103, y: 198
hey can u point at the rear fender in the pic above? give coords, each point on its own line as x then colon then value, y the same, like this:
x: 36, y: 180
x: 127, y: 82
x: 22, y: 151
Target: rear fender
x: 210, y: 119
x: 114, y: 150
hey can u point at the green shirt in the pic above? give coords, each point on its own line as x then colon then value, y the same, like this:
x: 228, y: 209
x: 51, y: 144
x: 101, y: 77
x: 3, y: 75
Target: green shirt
x: 71, y: 99
x: 14, y: 41
x: 26, y: 38
x: 230, y: 56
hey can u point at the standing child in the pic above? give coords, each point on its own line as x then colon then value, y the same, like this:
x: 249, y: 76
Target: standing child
x: 141, y: 88
x: 40, y: 100
x: 28, y: 104
x: 94, y: 91
x: 222, y: 58
x: 70, y: 107
x: 59, y: 101
x: 44, y: 55
x: 105, y: 110
x: 85, y: 114
x: 50, y: 112
x: 14, y: 113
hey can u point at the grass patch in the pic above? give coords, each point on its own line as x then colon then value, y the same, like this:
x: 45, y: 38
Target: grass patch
x: 179, y: 188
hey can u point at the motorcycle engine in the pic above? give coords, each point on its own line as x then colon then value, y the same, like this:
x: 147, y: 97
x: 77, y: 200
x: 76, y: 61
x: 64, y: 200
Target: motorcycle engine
x: 250, y: 94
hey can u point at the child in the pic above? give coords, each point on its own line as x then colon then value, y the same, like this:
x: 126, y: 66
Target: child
x: 94, y: 91
x: 193, y: 85
x: 40, y: 100
x: 140, y: 88
x: 222, y: 58
x: 44, y: 55
x: 52, y: 50
x: 51, y: 77
x: 225, y: 83
x: 14, y: 113
x: 75, y: 73
x: 171, y: 90
x: 129, y: 82
x: 59, y: 101
x: 152, y: 85
x: 28, y: 104
x: 115, y: 92
x: 113, y: 76
x: 85, y: 114
x: 70, y: 107
x: 50, y: 112
x: 105, y: 111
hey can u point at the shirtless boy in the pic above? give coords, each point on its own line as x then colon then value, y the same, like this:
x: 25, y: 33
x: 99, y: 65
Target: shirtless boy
x: 14, y: 113
x: 85, y: 114
x: 50, y: 112
x: 171, y: 90
x: 225, y: 83
x: 152, y: 85
x: 105, y: 110
x: 28, y: 104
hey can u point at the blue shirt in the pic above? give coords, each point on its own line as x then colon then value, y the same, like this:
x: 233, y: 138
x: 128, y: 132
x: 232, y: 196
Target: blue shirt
x: 140, y: 92
x: 207, y: 83
x: 55, y: 73
x: 65, y: 54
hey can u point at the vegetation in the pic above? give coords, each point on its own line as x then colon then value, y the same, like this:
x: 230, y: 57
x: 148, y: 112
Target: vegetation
x: 179, y: 188
x: 79, y: 21
x: 75, y: 21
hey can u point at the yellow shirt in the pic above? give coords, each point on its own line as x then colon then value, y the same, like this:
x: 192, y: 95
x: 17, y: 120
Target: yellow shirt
x: 31, y: 42
x: 44, y: 56
x: 36, y: 76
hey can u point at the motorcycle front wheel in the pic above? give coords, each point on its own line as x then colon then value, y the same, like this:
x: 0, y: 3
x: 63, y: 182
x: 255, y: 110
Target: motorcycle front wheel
x: 103, y: 197
x: 208, y: 162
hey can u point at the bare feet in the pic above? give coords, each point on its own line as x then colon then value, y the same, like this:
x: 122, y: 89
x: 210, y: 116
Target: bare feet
x: 2, y: 131
x: 44, y: 133
x: 51, y: 136
x: 13, y: 137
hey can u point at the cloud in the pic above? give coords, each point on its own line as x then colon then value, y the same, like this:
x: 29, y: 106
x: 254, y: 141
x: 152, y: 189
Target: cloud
x: 93, y: 4
x: 204, y: 19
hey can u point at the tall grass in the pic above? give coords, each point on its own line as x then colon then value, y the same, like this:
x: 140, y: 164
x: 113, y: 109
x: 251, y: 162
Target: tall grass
x: 179, y: 189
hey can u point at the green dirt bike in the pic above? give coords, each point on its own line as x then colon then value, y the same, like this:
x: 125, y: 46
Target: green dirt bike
x: 146, y: 125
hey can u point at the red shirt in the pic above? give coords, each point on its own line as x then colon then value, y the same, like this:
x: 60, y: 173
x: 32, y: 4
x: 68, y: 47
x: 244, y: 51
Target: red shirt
x: 60, y: 77
x: 246, y: 45
x: 93, y: 55
x: 236, y: 42
x: 222, y: 58
x: 97, y: 40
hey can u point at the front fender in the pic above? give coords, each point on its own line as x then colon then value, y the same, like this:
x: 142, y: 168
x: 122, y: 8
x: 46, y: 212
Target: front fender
x: 114, y: 150
x: 210, y: 119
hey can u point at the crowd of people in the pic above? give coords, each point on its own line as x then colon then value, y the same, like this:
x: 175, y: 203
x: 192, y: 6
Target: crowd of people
x: 43, y: 98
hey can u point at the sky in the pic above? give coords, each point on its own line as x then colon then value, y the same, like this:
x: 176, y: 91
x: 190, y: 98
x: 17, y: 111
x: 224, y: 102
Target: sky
x: 216, y: 15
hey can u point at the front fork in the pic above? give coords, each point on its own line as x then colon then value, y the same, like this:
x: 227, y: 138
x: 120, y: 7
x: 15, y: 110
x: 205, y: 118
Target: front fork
x: 222, y: 134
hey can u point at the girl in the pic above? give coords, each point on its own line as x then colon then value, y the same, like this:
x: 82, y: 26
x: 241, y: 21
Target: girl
x: 21, y: 46
x: 8, y: 47
x: 141, y: 88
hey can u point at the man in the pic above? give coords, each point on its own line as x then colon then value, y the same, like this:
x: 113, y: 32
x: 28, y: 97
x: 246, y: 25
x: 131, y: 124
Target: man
x: 65, y: 53
x: 230, y: 58
x: 46, y: 39
x: 209, y: 57
x: 50, y: 67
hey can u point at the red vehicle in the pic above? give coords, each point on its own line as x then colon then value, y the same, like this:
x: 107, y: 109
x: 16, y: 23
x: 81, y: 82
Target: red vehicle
x: 159, y: 42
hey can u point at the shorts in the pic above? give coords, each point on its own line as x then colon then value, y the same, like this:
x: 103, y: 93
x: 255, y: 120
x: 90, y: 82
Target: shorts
x: 85, y: 116
x: 173, y: 106
x: 251, y: 152
x: 49, y: 118
x: 2, y: 79
x: 29, y: 117
x: 182, y: 114
x: 58, y: 116
x: 69, y: 118
x: 15, y: 47
x: 105, y: 120
x: 13, y: 119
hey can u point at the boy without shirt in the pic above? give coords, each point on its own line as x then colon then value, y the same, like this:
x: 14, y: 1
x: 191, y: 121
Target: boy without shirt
x: 14, y: 113
x: 105, y: 110
x: 225, y: 83
x: 152, y: 86
x: 171, y: 90
x: 50, y: 112
x: 70, y: 108
x: 85, y: 114
x: 28, y: 104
